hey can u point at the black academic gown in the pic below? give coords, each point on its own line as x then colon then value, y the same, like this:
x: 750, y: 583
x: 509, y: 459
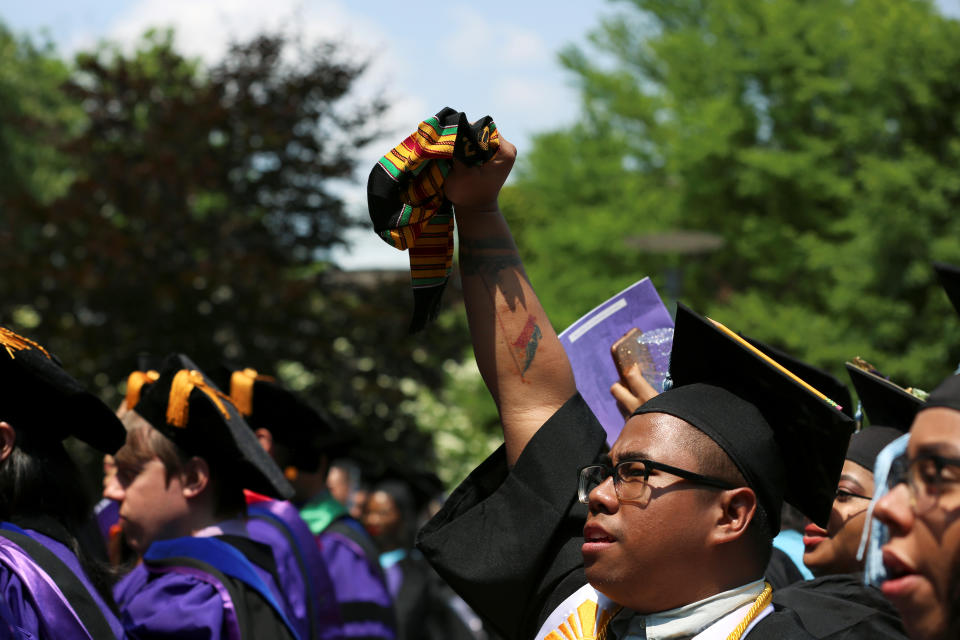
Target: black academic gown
x: 508, y: 541
x: 841, y: 607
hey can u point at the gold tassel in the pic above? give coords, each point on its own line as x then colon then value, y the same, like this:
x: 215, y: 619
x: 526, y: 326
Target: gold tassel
x: 241, y: 389
x: 178, y: 405
x: 15, y: 342
x: 135, y: 382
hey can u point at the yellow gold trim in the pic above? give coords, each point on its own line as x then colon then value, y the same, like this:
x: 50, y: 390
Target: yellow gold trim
x: 15, y: 342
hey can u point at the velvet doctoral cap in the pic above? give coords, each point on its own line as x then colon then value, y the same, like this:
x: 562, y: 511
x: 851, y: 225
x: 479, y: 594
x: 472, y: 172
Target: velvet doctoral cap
x: 786, y: 438
x: 889, y: 408
x: 40, y: 396
x: 188, y: 408
x: 949, y: 276
x: 306, y: 432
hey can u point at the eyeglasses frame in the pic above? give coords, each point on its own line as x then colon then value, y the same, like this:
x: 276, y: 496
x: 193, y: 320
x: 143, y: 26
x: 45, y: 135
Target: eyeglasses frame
x: 648, y: 466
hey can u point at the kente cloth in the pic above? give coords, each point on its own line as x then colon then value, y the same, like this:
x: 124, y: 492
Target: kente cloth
x: 407, y: 205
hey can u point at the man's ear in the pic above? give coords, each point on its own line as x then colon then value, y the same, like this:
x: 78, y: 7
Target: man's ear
x: 8, y: 440
x: 737, y: 508
x: 266, y: 440
x: 195, y: 477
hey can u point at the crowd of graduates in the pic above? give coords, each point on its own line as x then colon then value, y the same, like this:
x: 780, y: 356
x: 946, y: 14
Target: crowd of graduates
x: 748, y: 498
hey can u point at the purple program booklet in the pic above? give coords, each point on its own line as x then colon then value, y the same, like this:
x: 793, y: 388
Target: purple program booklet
x: 588, y: 340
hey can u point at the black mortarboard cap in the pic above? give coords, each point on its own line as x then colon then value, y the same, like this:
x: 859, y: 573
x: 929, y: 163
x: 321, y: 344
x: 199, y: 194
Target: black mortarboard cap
x: 821, y: 380
x: 947, y: 395
x: 38, y: 394
x: 890, y: 410
x: 786, y: 438
x: 305, y: 432
x: 189, y: 409
x: 949, y: 276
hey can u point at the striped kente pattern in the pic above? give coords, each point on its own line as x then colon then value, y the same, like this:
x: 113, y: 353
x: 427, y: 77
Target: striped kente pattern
x: 406, y: 202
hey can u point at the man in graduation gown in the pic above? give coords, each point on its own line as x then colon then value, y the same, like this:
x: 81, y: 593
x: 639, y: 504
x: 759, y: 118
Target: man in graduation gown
x: 180, y: 480
x: 50, y: 587
x: 303, y: 441
x: 680, y: 513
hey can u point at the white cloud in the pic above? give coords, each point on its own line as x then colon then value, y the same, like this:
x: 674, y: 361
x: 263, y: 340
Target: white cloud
x: 524, y: 47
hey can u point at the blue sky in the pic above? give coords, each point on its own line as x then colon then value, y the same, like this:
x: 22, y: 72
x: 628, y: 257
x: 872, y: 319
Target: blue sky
x: 498, y: 57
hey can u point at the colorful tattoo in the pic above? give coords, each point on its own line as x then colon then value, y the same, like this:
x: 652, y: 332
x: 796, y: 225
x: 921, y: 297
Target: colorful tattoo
x: 527, y: 344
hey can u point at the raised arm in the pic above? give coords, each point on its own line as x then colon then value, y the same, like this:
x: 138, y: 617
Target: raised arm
x: 517, y: 350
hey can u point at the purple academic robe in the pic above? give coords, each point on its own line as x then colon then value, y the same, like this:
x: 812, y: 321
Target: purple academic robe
x: 305, y: 582
x: 35, y: 605
x: 365, y: 604
x: 184, y: 601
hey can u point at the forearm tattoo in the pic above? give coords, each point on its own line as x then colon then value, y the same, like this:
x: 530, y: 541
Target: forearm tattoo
x: 526, y: 344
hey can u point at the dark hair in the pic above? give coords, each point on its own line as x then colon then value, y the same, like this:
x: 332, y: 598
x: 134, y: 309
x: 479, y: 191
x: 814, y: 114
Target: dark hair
x: 144, y: 442
x: 403, y: 500
x: 39, y: 480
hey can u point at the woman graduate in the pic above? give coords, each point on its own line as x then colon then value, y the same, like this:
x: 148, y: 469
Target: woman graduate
x: 860, y: 611
x: 50, y: 588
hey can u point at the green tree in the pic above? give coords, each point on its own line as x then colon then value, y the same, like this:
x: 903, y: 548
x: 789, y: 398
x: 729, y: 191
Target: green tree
x: 200, y: 219
x: 819, y: 139
x: 34, y: 116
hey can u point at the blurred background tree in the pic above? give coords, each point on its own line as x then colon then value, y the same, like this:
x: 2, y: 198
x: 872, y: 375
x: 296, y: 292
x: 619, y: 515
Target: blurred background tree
x: 820, y: 140
x: 199, y: 215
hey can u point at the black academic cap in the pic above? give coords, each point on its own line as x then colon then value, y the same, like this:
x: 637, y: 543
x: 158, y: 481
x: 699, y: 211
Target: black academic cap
x: 821, y: 380
x: 885, y: 403
x: 889, y: 408
x: 947, y: 395
x: 786, y: 438
x: 188, y: 408
x: 38, y: 394
x: 306, y: 432
x: 949, y: 276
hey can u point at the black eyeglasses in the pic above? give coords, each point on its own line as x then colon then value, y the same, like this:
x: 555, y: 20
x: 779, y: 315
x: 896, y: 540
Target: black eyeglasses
x: 928, y: 476
x: 630, y: 477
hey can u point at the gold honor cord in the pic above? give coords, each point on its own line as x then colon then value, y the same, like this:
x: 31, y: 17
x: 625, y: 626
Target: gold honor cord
x: 775, y: 364
x: 135, y: 383
x: 15, y: 342
x: 759, y: 605
x: 178, y: 405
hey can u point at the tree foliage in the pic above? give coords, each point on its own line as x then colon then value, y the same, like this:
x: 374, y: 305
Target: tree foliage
x: 819, y: 139
x: 201, y: 213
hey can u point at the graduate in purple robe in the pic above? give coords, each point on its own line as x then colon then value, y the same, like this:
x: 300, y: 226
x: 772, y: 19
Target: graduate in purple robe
x: 303, y: 441
x: 50, y: 588
x: 180, y: 480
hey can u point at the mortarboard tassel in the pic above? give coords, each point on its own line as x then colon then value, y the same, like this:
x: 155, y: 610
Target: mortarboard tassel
x: 241, y: 389
x: 14, y: 342
x: 135, y: 383
x: 178, y: 405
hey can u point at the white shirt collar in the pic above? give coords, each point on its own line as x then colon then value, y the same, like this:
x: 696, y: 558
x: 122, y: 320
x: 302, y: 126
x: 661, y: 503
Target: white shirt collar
x: 690, y: 619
